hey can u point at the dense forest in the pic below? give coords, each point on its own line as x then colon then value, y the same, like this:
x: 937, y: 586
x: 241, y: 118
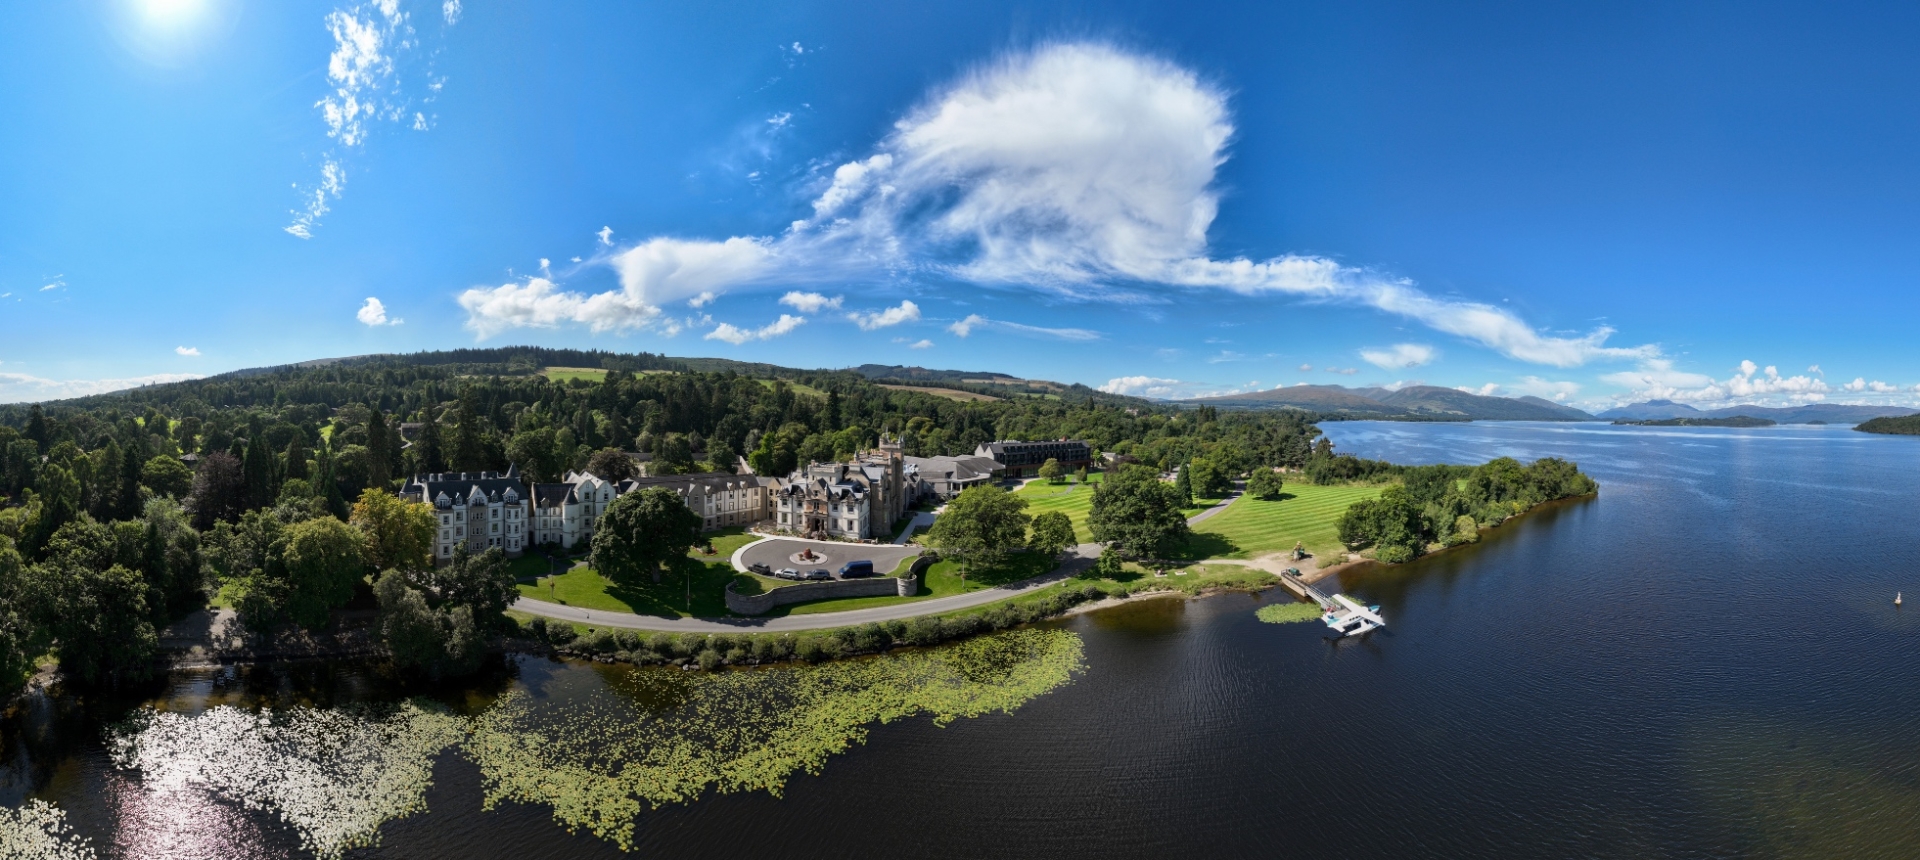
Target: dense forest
x: 1906, y: 425
x: 125, y: 511
x: 1449, y: 505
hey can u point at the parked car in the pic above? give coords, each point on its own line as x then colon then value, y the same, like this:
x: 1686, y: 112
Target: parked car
x: 761, y: 569
x: 819, y: 573
x: 856, y: 569
x: 787, y: 573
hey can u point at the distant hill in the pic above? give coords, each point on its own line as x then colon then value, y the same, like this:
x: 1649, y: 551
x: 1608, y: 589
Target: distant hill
x: 1414, y: 401
x: 1908, y: 425
x: 1730, y: 421
x: 921, y: 374
x: 1825, y: 413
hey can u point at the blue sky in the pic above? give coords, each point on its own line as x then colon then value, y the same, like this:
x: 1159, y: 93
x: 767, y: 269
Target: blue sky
x: 1597, y: 204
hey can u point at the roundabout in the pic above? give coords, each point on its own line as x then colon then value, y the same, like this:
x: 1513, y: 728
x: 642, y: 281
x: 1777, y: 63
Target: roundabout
x: 776, y: 553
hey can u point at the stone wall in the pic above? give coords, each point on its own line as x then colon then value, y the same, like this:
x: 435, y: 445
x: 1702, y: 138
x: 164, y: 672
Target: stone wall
x: 880, y: 586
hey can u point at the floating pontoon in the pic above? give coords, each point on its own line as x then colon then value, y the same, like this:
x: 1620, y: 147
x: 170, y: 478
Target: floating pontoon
x: 1344, y: 615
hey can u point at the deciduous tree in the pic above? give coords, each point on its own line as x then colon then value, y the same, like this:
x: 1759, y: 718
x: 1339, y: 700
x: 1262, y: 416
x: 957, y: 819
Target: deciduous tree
x: 1052, y: 532
x: 980, y: 526
x: 642, y: 531
x: 1138, y: 513
x: 398, y: 533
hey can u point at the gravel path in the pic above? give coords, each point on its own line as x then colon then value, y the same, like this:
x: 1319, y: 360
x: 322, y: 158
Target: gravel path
x: 1208, y: 513
x: 1077, y: 559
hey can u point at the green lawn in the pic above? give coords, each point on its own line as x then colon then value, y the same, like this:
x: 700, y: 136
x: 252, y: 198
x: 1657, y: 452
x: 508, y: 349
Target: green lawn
x: 706, y: 576
x: 1252, y: 527
x: 530, y: 565
x: 1075, y: 500
x: 942, y: 580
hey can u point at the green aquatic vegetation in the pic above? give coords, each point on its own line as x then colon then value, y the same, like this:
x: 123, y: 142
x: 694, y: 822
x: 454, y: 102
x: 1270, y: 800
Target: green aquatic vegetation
x: 334, y: 775
x: 600, y: 768
x: 38, y: 831
x: 1287, y: 613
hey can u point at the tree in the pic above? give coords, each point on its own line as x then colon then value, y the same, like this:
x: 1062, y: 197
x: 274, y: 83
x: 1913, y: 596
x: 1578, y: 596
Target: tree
x: 257, y: 467
x: 642, y: 531
x: 436, y: 642
x: 537, y: 453
x: 482, y: 583
x: 1391, y: 523
x: 1080, y: 475
x: 469, y: 437
x: 296, y: 467
x: 380, y: 450
x: 1209, y: 479
x: 171, y: 560
x: 323, y: 561
x: 397, y: 533
x: 1052, y: 533
x: 429, y: 448
x: 1051, y: 471
x: 980, y: 526
x: 21, y: 638
x: 37, y: 428
x: 611, y: 464
x: 1137, y: 512
x: 1183, y: 486
x: 167, y: 476
x: 219, y: 490
x: 94, y: 608
x: 1265, y: 484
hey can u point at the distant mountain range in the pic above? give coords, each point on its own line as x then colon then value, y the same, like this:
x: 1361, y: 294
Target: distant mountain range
x: 1815, y: 413
x: 1414, y: 401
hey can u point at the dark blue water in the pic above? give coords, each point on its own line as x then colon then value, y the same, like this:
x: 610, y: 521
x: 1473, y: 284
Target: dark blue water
x: 1704, y: 661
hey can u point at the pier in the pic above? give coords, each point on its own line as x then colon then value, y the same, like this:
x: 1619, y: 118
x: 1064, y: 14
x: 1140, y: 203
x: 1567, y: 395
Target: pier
x: 1342, y: 614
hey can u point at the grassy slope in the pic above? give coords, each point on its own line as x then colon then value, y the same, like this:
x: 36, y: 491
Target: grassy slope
x: 1304, y: 513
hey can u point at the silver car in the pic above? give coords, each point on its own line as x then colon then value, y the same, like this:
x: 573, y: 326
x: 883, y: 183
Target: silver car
x: 787, y: 573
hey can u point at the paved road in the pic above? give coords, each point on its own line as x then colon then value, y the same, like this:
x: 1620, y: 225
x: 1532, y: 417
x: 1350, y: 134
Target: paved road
x: 1208, y: 513
x: 1078, y: 559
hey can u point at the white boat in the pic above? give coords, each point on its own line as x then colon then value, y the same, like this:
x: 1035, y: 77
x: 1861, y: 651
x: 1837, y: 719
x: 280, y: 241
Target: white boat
x: 1347, y: 617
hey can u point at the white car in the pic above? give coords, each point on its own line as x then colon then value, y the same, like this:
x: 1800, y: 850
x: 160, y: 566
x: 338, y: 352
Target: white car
x: 787, y: 573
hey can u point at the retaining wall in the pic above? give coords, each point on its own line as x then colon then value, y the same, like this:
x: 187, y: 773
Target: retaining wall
x: 755, y: 604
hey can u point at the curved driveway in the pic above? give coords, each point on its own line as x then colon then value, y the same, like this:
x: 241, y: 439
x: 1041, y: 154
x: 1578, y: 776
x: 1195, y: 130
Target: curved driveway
x: 1076, y: 560
x: 777, y: 553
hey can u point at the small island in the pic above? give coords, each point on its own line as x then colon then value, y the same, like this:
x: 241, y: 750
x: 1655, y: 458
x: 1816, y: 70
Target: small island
x: 1905, y: 425
x: 1729, y: 421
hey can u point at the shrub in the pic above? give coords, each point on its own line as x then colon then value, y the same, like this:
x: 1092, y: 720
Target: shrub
x: 536, y: 628
x: 763, y: 649
x: 560, y: 633
x: 687, y: 644
x: 709, y: 660
x: 626, y: 640
x: 809, y: 650
x: 601, y: 642
x: 661, y: 644
x: 736, y: 654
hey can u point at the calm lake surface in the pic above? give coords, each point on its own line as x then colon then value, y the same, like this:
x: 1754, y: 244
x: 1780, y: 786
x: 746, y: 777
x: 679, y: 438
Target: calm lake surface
x: 1704, y: 661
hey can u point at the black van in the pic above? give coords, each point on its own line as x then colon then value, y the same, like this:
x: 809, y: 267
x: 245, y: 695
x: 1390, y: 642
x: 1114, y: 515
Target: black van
x: 856, y: 569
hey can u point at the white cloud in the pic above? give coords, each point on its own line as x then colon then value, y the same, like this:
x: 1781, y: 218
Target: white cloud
x: 1655, y: 379
x: 652, y: 274
x: 364, y: 74
x: 1399, y: 356
x: 1143, y: 386
x: 25, y: 388
x: 1546, y: 388
x: 780, y: 120
x: 965, y: 327
x: 605, y: 234
x: 811, y: 303
x: 544, y: 262
x: 705, y: 298
x: 868, y: 321
x: 1486, y: 390
x: 1343, y: 371
x: 735, y: 335
x: 187, y: 350
x: 53, y: 286
x: 1088, y: 170
x: 374, y: 312
x: 1860, y: 384
x: 923, y: 343
x: 1305, y: 367
x: 1815, y: 370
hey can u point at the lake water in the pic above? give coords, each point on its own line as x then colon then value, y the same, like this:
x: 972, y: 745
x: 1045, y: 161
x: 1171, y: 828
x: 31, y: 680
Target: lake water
x: 1704, y: 661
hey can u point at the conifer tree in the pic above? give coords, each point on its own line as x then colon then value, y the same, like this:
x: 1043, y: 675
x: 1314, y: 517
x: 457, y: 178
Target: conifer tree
x: 379, y: 451
x: 1183, y: 485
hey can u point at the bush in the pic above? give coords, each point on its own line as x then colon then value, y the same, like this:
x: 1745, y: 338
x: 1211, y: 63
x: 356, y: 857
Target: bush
x: 809, y: 650
x: 709, y: 660
x: 661, y: 644
x: 626, y: 640
x: 687, y: 644
x: 763, y: 649
x: 560, y: 633
x: 536, y: 628
x: 600, y: 642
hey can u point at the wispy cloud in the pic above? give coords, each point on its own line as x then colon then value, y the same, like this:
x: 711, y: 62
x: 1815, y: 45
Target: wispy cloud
x: 735, y: 335
x: 1399, y: 356
x: 1657, y: 379
x: 923, y: 343
x: 868, y: 321
x: 193, y: 351
x: 1167, y: 389
x: 965, y: 327
x: 374, y: 313
x: 363, y: 70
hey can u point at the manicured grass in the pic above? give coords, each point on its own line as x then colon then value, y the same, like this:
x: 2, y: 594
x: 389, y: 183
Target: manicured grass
x: 942, y: 580
x: 1076, y: 500
x: 948, y: 393
x: 798, y: 388
x: 1187, y: 579
x: 1069, y: 498
x: 530, y: 565
x: 706, y: 575
x: 1253, y: 527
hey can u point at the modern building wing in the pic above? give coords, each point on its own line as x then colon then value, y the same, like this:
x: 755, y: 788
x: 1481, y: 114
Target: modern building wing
x: 1024, y: 459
